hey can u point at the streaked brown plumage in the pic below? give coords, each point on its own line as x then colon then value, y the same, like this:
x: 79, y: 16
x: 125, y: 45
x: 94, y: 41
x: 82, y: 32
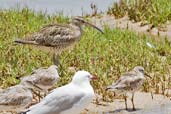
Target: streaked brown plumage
x: 42, y: 79
x: 129, y: 82
x: 15, y: 98
x: 57, y: 37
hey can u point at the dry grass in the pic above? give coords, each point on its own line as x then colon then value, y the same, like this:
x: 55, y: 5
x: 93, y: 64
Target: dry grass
x: 155, y: 12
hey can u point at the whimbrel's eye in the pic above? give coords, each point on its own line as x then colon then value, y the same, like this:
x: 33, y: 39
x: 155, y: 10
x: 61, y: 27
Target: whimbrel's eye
x: 82, y: 21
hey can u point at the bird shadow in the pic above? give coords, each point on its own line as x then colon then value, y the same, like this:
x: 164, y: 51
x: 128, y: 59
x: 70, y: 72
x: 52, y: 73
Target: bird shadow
x: 120, y: 110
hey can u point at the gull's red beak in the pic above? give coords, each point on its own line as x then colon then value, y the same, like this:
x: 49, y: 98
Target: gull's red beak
x: 93, y: 77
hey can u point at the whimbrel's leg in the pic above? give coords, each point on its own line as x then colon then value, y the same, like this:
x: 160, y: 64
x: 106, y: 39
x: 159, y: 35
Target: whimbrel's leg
x: 125, y: 98
x: 56, y: 59
x: 132, y: 99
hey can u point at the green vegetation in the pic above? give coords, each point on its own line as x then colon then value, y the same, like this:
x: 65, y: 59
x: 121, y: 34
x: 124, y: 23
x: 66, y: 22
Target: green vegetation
x: 155, y: 12
x: 107, y: 56
x: 19, y: 60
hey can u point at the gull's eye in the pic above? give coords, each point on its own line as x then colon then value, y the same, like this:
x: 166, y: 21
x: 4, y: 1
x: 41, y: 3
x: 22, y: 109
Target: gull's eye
x: 89, y: 76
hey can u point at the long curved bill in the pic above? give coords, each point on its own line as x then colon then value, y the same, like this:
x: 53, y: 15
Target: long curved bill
x: 87, y: 23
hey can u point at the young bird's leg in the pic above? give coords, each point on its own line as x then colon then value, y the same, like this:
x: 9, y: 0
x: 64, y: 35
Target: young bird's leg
x: 152, y: 95
x: 32, y: 103
x: 46, y: 92
x: 125, y: 98
x: 38, y: 94
x: 132, y: 99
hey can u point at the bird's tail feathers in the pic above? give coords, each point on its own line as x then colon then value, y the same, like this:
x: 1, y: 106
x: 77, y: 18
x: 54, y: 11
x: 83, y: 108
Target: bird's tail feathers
x: 18, y: 41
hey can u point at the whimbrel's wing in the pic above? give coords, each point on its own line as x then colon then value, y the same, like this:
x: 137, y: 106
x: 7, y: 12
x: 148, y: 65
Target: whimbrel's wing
x: 15, y: 96
x: 55, y: 35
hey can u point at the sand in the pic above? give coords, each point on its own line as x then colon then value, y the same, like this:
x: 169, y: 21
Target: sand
x: 143, y: 103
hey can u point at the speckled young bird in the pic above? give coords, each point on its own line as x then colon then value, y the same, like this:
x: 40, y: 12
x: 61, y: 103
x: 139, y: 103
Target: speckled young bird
x: 15, y: 98
x: 56, y: 38
x: 129, y: 82
x: 42, y: 79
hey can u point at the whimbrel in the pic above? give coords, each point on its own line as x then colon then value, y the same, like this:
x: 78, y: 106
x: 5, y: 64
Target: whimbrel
x: 15, y: 98
x: 69, y: 99
x: 55, y: 38
x: 42, y: 79
x: 129, y: 82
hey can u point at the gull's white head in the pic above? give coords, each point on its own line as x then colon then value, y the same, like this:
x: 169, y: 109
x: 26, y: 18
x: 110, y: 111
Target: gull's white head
x: 139, y: 69
x: 81, y: 77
